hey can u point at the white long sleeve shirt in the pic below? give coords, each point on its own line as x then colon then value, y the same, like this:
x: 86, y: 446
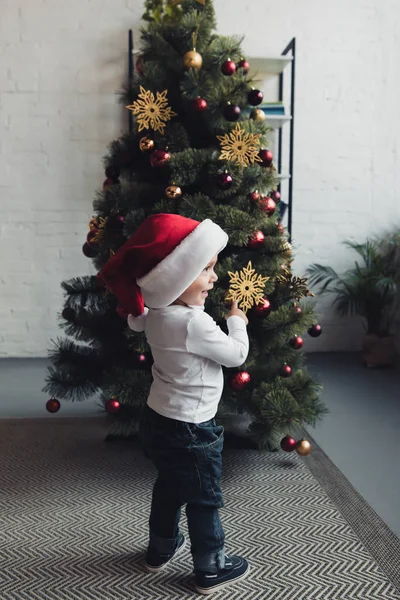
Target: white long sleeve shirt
x: 188, y: 349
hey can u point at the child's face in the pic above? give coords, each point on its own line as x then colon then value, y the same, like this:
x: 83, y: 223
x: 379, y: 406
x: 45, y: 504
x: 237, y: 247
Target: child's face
x: 197, y: 292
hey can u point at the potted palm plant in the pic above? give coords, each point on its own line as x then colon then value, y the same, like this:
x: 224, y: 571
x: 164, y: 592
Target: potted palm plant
x: 368, y: 289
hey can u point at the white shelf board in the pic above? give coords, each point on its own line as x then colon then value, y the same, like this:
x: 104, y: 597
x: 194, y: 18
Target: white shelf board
x: 268, y: 64
x: 276, y: 121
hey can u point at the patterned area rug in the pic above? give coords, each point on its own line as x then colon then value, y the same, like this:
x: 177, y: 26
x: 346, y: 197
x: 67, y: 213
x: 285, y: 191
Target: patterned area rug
x: 74, y: 513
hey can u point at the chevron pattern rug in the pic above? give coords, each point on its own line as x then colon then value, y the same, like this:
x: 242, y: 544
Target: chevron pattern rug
x: 73, y: 524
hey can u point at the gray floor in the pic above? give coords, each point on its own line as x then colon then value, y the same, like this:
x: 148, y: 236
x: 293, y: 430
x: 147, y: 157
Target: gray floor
x: 360, y: 435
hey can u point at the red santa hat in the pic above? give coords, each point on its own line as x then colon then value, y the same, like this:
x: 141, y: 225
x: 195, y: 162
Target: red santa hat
x: 160, y: 260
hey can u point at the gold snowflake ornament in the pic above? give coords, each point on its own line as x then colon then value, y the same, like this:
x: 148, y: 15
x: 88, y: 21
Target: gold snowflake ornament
x: 247, y: 287
x: 151, y: 112
x: 239, y: 146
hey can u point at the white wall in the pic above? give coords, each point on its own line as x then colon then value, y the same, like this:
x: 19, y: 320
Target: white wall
x: 61, y: 63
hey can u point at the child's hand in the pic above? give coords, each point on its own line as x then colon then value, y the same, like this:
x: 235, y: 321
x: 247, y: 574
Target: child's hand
x: 236, y: 312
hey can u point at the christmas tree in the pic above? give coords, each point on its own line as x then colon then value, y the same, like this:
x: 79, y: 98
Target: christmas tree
x: 198, y: 148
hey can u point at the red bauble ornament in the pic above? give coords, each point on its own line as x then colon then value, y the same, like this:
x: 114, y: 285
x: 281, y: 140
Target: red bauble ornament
x: 281, y: 228
x: 276, y: 195
x: 228, y: 67
x: 107, y: 183
x: 159, y: 158
x: 224, y: 181
x: 256, y: 240
x: 244, y: 65
x: 112, y: 406
x: 268, y: 205
x: 286, y: 371
x: 53, y: 405
x: 296, y: 342
x: 255, y: 97
x: 266, y: 156
x: 139, y: 66
x: 253, y: 196
x: 89, y: 251
x: 263, y: 308
x: 297, y: 310
x: 199, y: 105
x: 288, y: 444
x: 315, y: 331
x: 240, y: 380
x: 232, y: 112
x: 113, y: 172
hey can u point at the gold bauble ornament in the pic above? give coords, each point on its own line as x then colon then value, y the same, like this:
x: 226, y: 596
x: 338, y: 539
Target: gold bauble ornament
x: 146, y: 144
x: 192, y: 60
x: 303, y: 447
x: 257, y: 114
x: 173, y: 191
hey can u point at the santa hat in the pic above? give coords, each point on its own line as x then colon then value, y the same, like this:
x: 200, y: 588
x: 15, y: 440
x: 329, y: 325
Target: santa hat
x: 160, y: 261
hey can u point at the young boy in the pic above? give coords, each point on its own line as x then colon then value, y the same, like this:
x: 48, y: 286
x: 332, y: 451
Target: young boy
x: 168, y: 264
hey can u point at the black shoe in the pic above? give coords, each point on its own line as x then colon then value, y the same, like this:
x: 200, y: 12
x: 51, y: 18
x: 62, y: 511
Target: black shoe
x: 156, y: 562
x: 235, y: 568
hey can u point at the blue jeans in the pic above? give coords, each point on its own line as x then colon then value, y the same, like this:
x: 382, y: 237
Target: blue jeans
x: 188, y: 458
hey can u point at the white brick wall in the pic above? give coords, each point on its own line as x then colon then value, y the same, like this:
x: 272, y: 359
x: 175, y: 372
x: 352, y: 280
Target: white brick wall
x: 61, y: 63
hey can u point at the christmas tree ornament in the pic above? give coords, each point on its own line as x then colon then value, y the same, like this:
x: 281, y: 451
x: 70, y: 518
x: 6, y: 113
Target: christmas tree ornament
x: 276, y: 195
x: 315, y: 331
x: 253, y: 196
x: 232, y: 112
x: 256, y: 241
x: 266, y: 157
x: 303, y: 447
x: 244, y: 65
x: 240, y: 147
x: 146, y: 144
x: 192, y: 60
x: 152, y: 113
x: 240, y: 380
x: 267, y: 204
x: 68, y: 313
x: 247, y: 287
x: 255, y: 97
x: 199, y: 104
x: 173, y: 192
x: 89, y: 251
x: 286, y: 371
x: 296, y: 286
x: 107, y: 183
x: 297, y: 310
x: 257, y: 114
x: 281, y: 228
x: 93, y: 223
x: 113, y: 172
x: 159, y: 158
x: 228, y: 67
x: 296, y: 343
x: 288, y: 444
x: 96, y: 231
x: 53, y: 405
x: 112, y: 406
x: 224, y: 180
x: 262, y: 309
